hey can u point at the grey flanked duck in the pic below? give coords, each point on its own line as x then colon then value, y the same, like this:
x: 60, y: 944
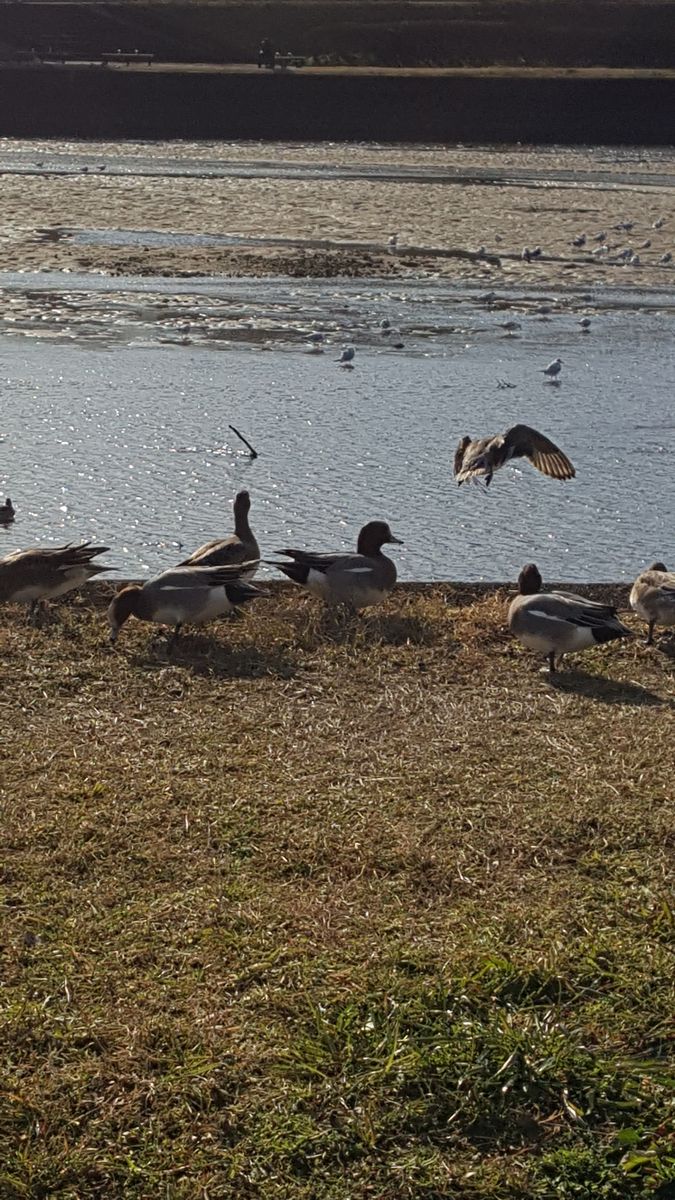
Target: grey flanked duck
x: 653, y: 597
x: 34, y: 576
x: 480, y: 459
x: 241, y: 546
x: 558, y: 623
x: 354, y: 580
x: 7, y: 512
x: 183, y: 596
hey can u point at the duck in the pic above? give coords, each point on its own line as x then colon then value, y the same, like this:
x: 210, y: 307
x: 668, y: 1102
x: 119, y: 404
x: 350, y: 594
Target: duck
x: 7, y: 511
x: 35, y: 576
x: 480, y: 459
x: 240, y: 547
x: 353, y: 580
x: 652, y: 597
x: 558, y: 623
x: 183, y: 596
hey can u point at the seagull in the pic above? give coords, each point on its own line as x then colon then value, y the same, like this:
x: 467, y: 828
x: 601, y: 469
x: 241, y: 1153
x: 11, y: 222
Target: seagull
x: 481, y: 458
x: 659, y: 224
x: 511, y: 327
x: 392, y: 243
x: 553, y: 369
x: 526, y: 254
x: 345, y: 359
x: 600, y: 237
x: 635, y: 260
x: 579, y: 241
x: 585, y: 323
x: 645, y: 245
x: 536, y: 253
x: 316, y: 338
x: 626, y: 226
x: 665, y: 259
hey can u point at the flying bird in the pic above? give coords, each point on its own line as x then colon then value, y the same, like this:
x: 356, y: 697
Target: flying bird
x: 480, y: 459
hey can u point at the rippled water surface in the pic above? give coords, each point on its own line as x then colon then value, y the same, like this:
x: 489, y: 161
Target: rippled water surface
x: 118, y: 394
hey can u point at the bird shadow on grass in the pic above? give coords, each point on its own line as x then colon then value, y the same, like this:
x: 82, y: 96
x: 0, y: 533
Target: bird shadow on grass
x: 346, y: 628
x: 607, y: 691
x: 210, y: 658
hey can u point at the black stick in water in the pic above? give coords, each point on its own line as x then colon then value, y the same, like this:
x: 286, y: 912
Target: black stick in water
x: 253, y: 453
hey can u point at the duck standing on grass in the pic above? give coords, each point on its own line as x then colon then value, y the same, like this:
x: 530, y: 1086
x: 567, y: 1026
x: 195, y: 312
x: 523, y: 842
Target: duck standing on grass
x: 34, y: 576
x: 480, y: 459
x: 183, y: 596
x: 653, y: 597
x: 558, y: 623
x: 353, y: 580
x: 240, y: 547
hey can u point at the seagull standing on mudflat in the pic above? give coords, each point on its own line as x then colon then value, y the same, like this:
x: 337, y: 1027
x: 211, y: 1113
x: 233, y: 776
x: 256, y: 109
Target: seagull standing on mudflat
x: 553, y: 369
x: 346, y: 358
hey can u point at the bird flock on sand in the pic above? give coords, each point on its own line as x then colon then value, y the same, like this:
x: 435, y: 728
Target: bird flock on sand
x: 216, y: 580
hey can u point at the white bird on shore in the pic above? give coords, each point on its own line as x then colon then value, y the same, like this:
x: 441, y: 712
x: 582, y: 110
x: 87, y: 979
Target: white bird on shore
x: 659, y: 224
x: 392, y: 243
x: 600, y: 237
x: 553, y: 369
x: 347, y: 356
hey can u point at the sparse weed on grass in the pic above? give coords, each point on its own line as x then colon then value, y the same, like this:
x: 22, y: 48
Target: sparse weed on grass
x: 317, y: 907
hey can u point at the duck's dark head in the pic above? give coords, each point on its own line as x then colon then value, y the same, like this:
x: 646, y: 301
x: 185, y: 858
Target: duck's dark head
x: 373, y: 536
x: 657, y: 566
x: 529, y: 580
x: 123, y: 605
x: 242, y: 503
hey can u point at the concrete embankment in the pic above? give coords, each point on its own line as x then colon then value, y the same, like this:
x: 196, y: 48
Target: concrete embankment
x: 480, y: 106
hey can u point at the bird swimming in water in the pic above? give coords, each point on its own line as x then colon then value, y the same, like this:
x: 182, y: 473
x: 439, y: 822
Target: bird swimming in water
x: 480, y: 459
x: 7, y: 512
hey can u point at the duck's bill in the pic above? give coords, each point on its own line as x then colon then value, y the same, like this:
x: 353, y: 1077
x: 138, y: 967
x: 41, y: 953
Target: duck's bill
x: 394, y: 541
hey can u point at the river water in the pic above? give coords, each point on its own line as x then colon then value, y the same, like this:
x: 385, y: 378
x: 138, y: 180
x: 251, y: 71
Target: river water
x: 118, y: 394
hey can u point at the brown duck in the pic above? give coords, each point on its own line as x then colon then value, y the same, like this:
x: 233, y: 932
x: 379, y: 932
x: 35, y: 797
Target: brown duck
x: 480, y: 459
x: 241, y: 546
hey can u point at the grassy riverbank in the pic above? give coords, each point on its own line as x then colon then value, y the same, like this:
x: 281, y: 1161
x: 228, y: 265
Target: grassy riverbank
x: 311, y: 911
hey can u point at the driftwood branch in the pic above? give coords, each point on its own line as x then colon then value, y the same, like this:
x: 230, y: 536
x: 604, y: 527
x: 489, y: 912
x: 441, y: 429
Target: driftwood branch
x: 249, y: 447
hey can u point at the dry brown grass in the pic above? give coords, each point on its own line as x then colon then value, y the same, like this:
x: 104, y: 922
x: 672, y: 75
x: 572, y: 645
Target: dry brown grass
x: 230, y: 874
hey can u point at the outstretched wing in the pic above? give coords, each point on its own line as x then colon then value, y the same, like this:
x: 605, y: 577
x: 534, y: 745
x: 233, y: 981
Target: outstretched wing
x: 459, y: 454
x: 522, y: 441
